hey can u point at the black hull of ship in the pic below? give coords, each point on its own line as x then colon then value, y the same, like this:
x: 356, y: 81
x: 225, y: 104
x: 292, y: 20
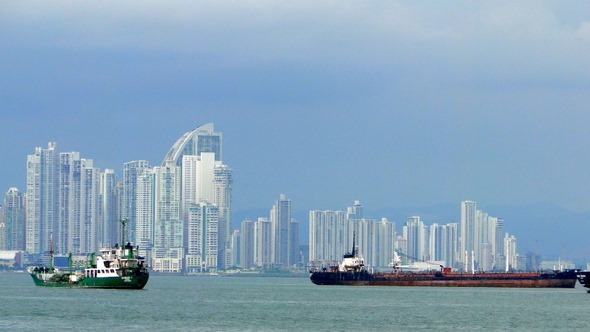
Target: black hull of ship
x: 584, y: 278
x: 565, y: 279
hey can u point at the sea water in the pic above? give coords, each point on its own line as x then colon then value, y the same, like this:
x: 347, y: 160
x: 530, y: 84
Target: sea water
x: 182, y: 303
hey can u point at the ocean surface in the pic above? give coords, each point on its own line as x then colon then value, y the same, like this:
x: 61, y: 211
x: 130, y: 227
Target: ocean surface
x: 182, y: 303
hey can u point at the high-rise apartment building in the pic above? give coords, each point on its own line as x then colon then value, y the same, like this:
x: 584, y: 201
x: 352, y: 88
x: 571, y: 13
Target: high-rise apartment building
x: 13, y: 217
x: 414, y: 231
x: 191, y: 172
x: 41, y: 198
x: 168, y: 250
x: 202, y: 234
x: 285, y: 245
x: 328, y: 235
x: 79, y: 205
x: 145, y: 212
x: 222, y: 198
x: 384, y: 242
x: 131, y: 171
x: 511, y: 256
x: 468, y: 232
x: 331, y: 236
x: 109, y: 214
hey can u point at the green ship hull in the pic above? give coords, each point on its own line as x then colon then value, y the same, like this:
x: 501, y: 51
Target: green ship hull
x: 58, y: 279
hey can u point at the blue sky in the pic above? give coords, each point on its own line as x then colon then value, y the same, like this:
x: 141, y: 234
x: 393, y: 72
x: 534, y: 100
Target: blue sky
x: 394, y: 103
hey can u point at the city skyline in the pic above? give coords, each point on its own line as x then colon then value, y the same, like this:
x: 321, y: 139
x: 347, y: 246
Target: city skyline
x: 398, y: 103
x: 175, y: 154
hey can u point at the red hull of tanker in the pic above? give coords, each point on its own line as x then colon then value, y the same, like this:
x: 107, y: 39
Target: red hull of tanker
x: 566, y: 279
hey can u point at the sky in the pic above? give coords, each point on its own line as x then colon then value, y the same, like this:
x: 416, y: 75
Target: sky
x: 393, y: 103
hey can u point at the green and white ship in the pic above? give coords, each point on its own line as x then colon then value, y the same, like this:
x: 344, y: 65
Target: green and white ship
x: 116, y: 267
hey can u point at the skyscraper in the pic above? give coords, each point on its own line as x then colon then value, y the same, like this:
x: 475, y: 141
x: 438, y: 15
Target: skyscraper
x: 145, y: 212
x: 415, y: 233
x: 109, y: 222
x: 168, y: 251
x: 191, y: 172
x: 222, y: 198
x: 13, y: 213
x: 468, y: 232
x: 202, y: 233
x: 284, y: 244
x: 131, y: 171
x: 41, y: 198
x: 328, y: 235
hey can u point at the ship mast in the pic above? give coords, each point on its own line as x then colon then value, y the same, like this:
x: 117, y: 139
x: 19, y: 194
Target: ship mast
x: 51, y: 251
x: 123, y: 224
x: 353, y: 247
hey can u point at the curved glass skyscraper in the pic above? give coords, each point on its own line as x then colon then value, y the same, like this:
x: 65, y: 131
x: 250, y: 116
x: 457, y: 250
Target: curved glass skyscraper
x: 192, y: 173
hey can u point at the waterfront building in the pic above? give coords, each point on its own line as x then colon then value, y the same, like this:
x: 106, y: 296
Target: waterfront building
x: 222, y: 198
x: 191, y: 172
x: 202, y: 234
x: 328, y: 235
x: 468, y: 232
x: 331, y: 235
x: 264, y: 243
x: 89, y: 209
x: 234, y: 249
x: 499, y: 243
x: 285, y: 246
x: 145, y: 212
x: 79, y: 205
x: 248, y: 233
x: 168, y: 252
x: 12, y: 215
x: 383, y: 243
x: 131, y: 172
x: 511, y: 256
x: 69, y: 184
x: 415, y: 232
x: 109, y: 214
x: 204, y: 178
x: 41, y: 198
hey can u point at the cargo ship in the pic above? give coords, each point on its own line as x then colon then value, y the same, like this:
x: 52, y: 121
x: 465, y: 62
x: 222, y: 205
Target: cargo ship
x: 117, y: 267
x: 351, y: 271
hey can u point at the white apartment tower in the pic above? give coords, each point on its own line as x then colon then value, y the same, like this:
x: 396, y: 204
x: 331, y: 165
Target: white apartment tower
x: 41, y: 198
x: 331, y: 236
x: 107, y: 228
x: 468, y: 231
x: 79, y: 205
x: 13, y: 213
x: 168, y: 250
x: 248, y: 244
x: 131, y: 171
x: 510, y: 252
x: 145, y: 212
x: 191, y: 172
x: 285, y: 244
x: 202, y: 233
x: 328, y: 235
x: 414, y: 232
x: 384, y: 242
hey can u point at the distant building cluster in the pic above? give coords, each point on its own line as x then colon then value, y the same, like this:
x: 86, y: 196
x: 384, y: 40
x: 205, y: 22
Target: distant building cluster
x: 476, y: 243
x: 179, y: 214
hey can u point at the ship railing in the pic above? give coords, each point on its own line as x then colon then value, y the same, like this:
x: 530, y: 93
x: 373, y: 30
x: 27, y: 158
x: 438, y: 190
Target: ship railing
x: 318, y: 266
